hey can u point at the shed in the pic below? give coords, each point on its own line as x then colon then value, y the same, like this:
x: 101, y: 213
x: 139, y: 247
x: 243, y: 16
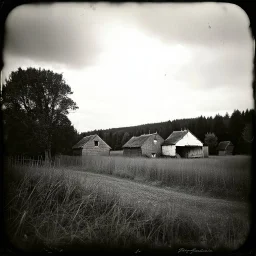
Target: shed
x: 91, y: 145
x: 145, y: 145
x: 225, y: 148
x: 206, y: 151
x: 182, y: 144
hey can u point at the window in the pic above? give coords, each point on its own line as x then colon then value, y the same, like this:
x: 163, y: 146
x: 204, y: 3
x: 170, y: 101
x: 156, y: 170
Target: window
x: 155, y: 141
x: 153, y: 154
x: 96, y: 143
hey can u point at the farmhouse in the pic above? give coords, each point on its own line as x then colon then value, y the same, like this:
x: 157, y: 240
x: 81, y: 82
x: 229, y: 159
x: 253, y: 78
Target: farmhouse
x: 145, y: 145
x: 225, y: 148
x: 183, y: 144
x: 91, y: 145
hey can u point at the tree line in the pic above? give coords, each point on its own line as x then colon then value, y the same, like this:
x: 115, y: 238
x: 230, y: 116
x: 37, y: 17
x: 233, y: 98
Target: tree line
x: 35, y: 104
x: 236, y: 128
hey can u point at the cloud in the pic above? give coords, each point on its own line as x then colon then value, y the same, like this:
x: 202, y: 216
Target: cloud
x: 53, y: 33
x: 135, y: 63
x: 227, y: 67
x: 76, y: 34
x: 207, y: 24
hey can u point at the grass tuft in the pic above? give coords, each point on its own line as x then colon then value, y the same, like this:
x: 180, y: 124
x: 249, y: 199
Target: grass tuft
x: 48, y: 209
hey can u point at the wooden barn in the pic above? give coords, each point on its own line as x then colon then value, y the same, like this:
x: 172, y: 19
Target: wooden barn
x: 225, y: 148
x: 91, y: 145
x: 182, y: 144
x: 145, y: 145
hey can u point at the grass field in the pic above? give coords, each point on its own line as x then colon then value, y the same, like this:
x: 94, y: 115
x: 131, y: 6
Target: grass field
x: 116, y: 153
x: 59, y: 208
x: 226, y: 177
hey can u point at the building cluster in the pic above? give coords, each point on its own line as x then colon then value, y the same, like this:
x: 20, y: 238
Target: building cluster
x: 182, y: 144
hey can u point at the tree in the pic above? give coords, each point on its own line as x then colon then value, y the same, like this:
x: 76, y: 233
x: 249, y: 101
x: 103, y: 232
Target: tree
x: 247, y: 133
x: 219, y: 127
x: 200, y: 127
x: 236, y: 126
x: 226, y: 119
x: 116, y: 140
x: 211, y: 141
x: 60, y: 143
x: 125, y: 138
x: 39, y: 100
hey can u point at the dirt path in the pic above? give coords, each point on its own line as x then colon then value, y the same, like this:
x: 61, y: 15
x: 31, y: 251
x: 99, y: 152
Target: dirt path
x: 157, y: 199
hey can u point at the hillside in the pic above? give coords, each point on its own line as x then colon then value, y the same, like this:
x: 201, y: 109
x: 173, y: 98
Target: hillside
x: 225, y: 128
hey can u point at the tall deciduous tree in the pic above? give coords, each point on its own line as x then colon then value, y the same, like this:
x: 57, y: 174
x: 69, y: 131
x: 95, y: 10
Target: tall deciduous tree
x: 211, y: 141
x: 39, y: 100
x: 247, y: 133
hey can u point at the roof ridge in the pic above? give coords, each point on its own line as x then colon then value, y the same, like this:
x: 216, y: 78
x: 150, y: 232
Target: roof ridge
x: 175, y: 136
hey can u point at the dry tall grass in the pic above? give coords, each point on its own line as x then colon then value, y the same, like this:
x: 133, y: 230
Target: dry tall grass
x: 226, y: 177
x: 50, y: 209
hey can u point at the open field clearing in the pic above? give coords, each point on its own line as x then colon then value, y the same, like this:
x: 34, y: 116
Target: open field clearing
x: 57, y: 209
x: 222, y: 177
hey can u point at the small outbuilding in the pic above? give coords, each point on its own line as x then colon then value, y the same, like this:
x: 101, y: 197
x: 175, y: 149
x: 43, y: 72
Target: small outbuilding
x: 225, y: 148
x: 182, y: 144
x: 206, y: 151
x: 91, y: 145
x: 145, y: 145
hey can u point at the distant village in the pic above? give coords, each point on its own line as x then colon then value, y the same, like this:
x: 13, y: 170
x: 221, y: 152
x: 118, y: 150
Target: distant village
x: 180, y: 144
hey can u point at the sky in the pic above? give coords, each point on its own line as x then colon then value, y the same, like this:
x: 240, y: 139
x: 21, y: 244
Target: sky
x: 131, y: 64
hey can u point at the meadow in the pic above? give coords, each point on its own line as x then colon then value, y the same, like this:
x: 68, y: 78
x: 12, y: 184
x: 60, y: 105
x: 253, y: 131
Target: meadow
x: 55, y: 209
x: 226, y: 177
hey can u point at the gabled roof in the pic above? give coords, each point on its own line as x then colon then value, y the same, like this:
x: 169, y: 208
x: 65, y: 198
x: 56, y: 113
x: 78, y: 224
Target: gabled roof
x: 83, y: 141
x: 137, y: 142
x: 224, y: 144
x: 175, y: 137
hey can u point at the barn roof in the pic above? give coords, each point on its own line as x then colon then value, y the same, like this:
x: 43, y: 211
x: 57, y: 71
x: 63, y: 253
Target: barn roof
x: 174, y: 137
x: 224, y: 144
x: 83, y: 141
x: 137, y: 142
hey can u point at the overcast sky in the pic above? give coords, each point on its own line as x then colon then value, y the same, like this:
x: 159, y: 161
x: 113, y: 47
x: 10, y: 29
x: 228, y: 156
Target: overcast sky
x: 132, y: 64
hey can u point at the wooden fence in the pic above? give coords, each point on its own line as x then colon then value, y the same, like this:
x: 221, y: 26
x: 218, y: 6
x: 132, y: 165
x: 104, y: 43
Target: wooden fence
x: 21, y: 160
x: 62, y: 160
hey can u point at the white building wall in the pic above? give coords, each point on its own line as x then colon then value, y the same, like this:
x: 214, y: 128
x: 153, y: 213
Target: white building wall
x: 169, y: 150
x: 189, y: 140
x: 195, y: 152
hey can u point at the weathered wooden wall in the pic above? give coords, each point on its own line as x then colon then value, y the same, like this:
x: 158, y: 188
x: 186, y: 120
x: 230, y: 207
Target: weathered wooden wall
x: 169, y: 150
x: 222, y: 153
x: 77, y: 151
x: 228, y: 151
x: 206, y: 151
x: 149, y: 147
x: 90, y: 149
x: 194, y: 152
x: 190, y: 152
x: 132, y: 152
